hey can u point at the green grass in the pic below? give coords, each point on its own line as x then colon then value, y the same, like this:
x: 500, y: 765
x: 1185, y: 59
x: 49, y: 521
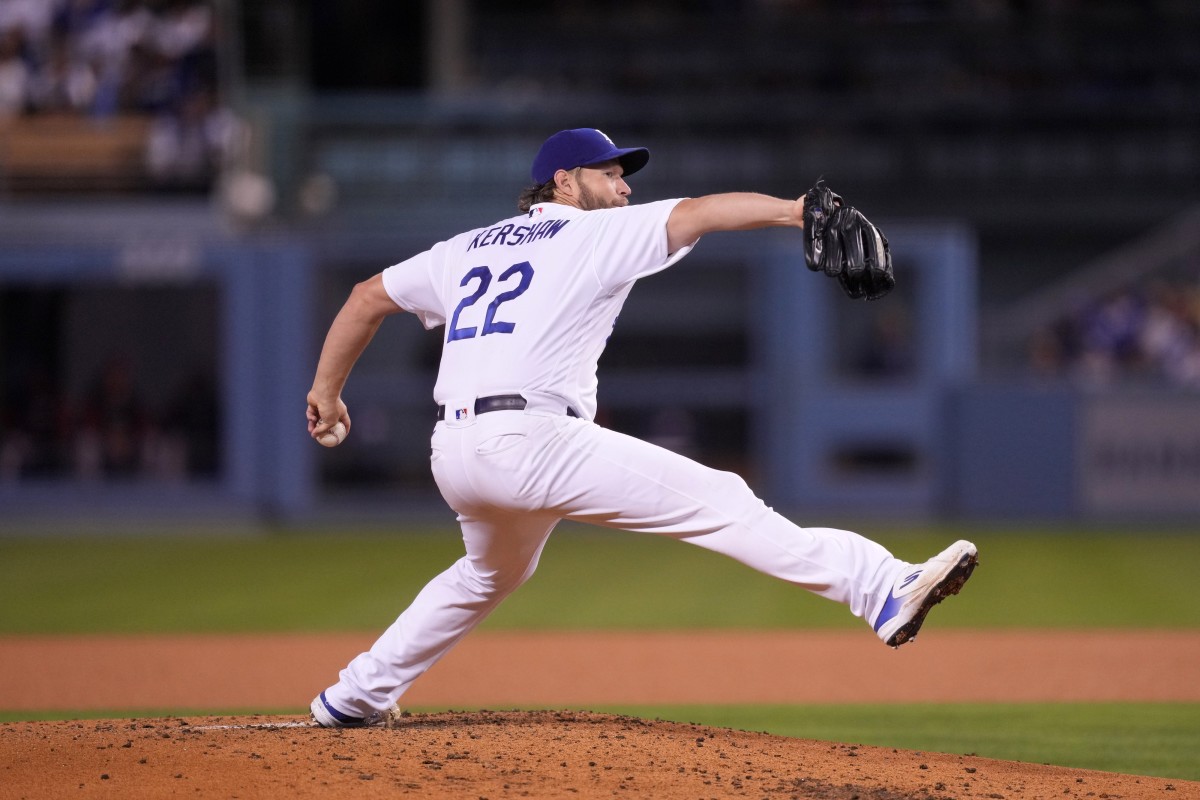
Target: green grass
x: 214, y: 584
x: 361, y: 580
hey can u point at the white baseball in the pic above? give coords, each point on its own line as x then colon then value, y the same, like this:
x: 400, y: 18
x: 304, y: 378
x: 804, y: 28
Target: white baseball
x: 334, y: 436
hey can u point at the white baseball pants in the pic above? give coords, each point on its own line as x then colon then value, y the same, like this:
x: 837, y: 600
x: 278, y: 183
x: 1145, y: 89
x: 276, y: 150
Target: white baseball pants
x: 512, y: 475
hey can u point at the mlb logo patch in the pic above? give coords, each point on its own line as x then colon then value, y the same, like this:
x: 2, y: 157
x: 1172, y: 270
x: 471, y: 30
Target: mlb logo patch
x: 460, y: 413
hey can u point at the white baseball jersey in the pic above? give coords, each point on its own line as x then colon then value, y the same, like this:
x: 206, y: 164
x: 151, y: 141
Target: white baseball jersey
x: 529, y: 302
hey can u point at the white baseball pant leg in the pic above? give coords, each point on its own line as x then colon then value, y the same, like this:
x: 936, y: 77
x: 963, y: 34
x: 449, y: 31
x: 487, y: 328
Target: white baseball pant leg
x: 511, y: 476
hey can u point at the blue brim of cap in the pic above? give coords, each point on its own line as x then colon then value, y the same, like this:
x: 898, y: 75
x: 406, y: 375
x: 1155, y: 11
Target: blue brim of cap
x: 631, y: 158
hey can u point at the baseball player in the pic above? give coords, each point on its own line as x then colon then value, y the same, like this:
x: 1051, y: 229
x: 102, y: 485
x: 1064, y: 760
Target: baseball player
x: 526, y: 305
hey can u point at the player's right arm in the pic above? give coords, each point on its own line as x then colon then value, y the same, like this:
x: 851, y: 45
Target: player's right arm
x: 351, y: 332
x: 736, y: 211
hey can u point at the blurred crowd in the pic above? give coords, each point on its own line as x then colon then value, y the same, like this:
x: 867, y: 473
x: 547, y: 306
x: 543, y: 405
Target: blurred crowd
x: 110, y: 432
x: 99, y: 58
x: 1150, y: 334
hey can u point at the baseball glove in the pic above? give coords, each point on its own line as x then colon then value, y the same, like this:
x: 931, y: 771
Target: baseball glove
x: 842, y: 243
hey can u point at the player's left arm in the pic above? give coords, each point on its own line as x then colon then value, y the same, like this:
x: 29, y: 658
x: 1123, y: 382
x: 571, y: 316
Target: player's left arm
x: 352, y: 330
x: 736, y: 211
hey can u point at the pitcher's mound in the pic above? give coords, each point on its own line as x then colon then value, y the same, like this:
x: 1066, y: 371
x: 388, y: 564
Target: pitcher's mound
x: 485, y: 754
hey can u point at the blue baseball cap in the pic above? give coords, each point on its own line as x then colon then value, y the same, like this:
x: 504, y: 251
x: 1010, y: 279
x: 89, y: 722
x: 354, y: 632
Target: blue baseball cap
x: 582, y: 147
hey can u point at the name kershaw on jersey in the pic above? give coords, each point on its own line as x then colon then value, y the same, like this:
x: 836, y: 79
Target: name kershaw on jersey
x: 513, y: 235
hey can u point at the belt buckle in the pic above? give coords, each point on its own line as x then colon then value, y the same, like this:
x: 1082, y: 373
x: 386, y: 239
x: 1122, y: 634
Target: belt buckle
x: 500, y: 402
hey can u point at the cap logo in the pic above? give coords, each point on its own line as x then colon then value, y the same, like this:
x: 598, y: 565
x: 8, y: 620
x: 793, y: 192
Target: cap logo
x: 607, y: 138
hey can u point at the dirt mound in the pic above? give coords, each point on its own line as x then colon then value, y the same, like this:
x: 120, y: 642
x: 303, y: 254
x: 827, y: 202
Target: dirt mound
x: 544, y: 754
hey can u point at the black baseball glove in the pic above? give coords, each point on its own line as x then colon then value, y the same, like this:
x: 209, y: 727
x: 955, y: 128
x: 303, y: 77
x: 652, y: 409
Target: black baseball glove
x: 842, y: 243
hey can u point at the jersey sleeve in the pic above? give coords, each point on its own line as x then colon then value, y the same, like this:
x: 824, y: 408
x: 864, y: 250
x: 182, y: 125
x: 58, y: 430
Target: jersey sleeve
x: 413, y: 285
x: 632, y: 242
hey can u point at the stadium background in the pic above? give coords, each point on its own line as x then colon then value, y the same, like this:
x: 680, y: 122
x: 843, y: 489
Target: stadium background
x: 188, y: 189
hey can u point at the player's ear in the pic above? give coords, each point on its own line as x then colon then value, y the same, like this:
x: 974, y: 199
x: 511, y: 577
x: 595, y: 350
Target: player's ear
x: 564, y: 181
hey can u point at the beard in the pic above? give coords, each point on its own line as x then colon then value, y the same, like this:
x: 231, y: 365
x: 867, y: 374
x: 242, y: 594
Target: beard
x: 589, y: 202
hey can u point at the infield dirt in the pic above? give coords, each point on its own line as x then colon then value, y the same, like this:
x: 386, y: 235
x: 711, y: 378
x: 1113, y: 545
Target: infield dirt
x: 556, y: 753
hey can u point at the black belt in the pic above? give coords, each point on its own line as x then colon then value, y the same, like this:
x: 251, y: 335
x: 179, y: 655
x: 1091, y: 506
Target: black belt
x: 499, y: 402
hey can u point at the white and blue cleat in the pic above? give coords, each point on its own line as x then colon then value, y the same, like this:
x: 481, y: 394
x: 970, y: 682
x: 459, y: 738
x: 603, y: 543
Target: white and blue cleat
x: 921, y: 587
x: 327, y: 716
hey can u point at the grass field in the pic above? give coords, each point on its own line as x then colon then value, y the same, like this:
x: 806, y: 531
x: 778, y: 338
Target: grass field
x: 198, y: 582
x: 195, y: 583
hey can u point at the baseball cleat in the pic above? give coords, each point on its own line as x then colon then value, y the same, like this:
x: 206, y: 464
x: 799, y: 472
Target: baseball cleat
x: 920, y: 588
x: 327, y: 716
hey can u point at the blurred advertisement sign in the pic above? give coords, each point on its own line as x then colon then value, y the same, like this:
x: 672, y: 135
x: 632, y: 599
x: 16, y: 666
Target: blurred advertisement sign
x: 1140, y: 454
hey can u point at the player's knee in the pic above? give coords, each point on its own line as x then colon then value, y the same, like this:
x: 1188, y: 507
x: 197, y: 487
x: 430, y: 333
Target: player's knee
x: 731, y: 487
x: 734, y: 498
x: 497, y: 581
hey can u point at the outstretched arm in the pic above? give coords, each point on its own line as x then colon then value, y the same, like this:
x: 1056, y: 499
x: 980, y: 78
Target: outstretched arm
x: 736, y: 211
x: 351, y: 332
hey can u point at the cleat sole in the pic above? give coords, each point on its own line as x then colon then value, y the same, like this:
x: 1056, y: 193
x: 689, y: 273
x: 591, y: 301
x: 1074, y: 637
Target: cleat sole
x: 951, y: 584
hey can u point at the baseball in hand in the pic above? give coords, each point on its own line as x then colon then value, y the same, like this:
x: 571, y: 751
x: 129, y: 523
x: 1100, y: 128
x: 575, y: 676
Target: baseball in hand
x: 334, y: 436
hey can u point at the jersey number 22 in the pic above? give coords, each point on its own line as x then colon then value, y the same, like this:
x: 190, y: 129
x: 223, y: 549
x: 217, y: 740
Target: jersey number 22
x: 490, y: 323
